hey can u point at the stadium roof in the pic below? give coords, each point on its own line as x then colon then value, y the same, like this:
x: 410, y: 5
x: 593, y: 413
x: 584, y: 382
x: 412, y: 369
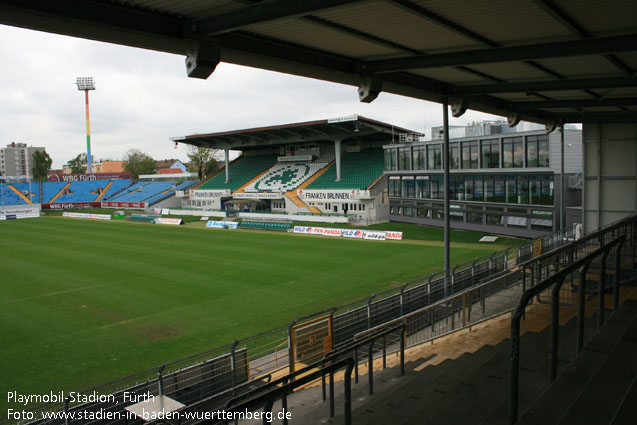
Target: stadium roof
x: 353, y: 127
x: 539, y: 60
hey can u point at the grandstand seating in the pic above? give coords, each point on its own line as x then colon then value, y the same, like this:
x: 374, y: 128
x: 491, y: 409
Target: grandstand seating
x: 9, y: 197
x: 82, y: 191
x: 241, y: 172
x: 358, y: 171
x: 286, y: 176
x: 142, y: 191
x: 186, y: 184
x: 50, y: 189
x: 117, y: 186
x: 27, y: 188
x: 150, y: 192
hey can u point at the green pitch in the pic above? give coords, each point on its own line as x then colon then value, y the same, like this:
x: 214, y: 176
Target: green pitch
x: 85, y: 302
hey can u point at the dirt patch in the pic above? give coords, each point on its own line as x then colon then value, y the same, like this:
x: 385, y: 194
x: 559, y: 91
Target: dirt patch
x: 156, y: 332
x: 111, y: 316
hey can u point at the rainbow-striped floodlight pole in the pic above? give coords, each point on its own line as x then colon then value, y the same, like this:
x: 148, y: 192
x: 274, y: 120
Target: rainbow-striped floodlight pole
x: 86, y: 84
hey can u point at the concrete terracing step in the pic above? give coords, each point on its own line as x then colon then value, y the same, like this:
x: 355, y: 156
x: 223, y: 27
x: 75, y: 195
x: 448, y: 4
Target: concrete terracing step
x: 534, y: 370
x: 398, y: 400
x: 599, y: 386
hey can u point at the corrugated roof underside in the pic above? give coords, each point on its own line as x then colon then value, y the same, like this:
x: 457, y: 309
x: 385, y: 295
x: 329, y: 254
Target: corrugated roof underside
x: 191, y: 9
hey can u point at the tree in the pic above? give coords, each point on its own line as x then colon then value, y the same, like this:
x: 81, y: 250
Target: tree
x: 138, y: 163
x: 203, y: 161
x: 41, y: 166
x: 76, y: 164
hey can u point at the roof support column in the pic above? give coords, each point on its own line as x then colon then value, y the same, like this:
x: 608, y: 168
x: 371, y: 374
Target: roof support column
x: 337, y: 154
x: 227, y: 162
x: 562, y: 179
x: 445, y: 166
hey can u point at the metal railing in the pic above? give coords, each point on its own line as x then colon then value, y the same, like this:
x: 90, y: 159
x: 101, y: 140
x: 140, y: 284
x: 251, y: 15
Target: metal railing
x: 264, y: 395
x: 429, y: 307
x: 573, y: 264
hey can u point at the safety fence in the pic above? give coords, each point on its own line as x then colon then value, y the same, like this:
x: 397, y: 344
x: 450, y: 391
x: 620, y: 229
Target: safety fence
x: 561, y: 284
x: 428, y: 308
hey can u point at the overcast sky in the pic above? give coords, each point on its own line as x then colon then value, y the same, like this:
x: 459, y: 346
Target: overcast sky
x: 143, y: 98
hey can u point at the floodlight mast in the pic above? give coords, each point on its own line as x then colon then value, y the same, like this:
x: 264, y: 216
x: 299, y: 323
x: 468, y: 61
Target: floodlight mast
x: 85, y: 84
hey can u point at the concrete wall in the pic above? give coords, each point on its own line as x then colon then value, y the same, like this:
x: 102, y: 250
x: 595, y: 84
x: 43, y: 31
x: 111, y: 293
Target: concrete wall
x: 610, y: 173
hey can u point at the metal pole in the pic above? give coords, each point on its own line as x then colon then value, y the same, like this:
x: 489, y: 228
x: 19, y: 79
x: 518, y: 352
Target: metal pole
x: 323, y: 387
x: 331, y: 394
x: 562, y: 179
x: 284, y: 407
x: 601, y: 289
x: 555, y: 324
x: 617, y: 268
x: 88, y: 136
x: 369, y: 311
x: 67, y: 401
x: 347, y: 396
x: 445, y: 165
x: 291, y: 350
x: 370, y: 367
x: 384, y: 352
x: 160, y: 378
x: 581, y: 307
x: 402, y: 298
x: 402, y: 351
x: 233, y: 362
x: 227, y: 164
x: 337, y: 157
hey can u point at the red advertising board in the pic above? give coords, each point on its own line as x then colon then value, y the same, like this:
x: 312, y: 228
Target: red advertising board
x: 71, y: 205
x: 87, y: 177
x: 123, y: 204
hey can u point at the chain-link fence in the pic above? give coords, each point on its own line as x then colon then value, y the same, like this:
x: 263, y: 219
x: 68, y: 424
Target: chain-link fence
x: 429, y: 307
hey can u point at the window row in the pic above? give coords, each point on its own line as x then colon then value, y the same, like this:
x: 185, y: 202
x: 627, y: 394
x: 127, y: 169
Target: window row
x: 511, y: 189
x: 538, y: 220
x: 507, y: 152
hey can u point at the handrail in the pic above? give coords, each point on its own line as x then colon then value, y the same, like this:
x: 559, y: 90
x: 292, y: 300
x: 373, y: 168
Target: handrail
x: 331, y: 356
x: 267, y: 399
x: 528, y: 295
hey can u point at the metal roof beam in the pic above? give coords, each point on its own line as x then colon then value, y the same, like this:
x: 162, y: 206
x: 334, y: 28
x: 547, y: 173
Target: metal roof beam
x: 563, y: 18
x: 559, y: 15
x: 443, y: 22
x: 606, y: 117
x: 551, y: 85
x: 577, y: 103
x: 262, y: 12
x: 589, y: 46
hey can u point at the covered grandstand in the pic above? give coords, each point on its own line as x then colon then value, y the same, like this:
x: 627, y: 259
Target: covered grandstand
x: 330, y: 166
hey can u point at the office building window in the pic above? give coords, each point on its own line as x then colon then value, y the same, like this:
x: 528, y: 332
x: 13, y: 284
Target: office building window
x: 437, y: 188
x: 434, y: 157
x: 454, y: 155
x: 512, y: 152
x: 404, y: 156
x: 491, y: 153
x: 422, y: 187
x: 394, y: 186
x: 537, y: 151
x: 390, y: 159
x: 469, y: 155
x: 418, y: 159
x: 408, y: 187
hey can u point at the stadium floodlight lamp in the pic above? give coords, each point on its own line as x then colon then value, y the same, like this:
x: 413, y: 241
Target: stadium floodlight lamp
x: 85, y: 83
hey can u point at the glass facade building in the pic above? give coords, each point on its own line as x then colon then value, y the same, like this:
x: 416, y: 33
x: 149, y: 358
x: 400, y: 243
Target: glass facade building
x: 506, y: 183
